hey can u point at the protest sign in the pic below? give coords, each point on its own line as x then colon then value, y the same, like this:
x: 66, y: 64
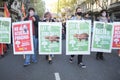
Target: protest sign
x: 102, y: 37
x: 50, y: 38
x: 22, y: 37
x: 78, y: 37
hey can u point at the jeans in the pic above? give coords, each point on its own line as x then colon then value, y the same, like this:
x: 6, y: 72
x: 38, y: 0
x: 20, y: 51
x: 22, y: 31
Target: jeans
x: 33, y: 56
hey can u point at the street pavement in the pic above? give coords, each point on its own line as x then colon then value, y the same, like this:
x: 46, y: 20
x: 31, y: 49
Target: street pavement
x: 11, y: 67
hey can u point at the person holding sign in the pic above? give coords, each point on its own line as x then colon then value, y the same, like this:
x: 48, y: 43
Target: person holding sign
x: 48, y: 18
x: 102, y: 18
x: 80, y: 57
x: 34, y: 18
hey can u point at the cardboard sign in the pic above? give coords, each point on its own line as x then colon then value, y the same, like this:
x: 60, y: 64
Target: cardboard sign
x: 50, y: 38
x: 78, y: 37
x: 116, y: 36
x: 5, y: 30
x: 22, y: 37
x: 102, y: 37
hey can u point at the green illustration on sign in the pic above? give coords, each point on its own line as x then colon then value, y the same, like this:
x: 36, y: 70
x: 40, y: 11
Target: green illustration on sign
x: 102, y: 37
x: 50, y: 38
x: 78, y: 37
x: 5, y: 31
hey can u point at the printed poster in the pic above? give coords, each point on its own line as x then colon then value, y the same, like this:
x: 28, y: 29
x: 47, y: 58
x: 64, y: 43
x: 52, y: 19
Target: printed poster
x: 50, y: 38
x: 102, y: 37
x: 5, y: 30
x: 78, y: 37
x: 22, y: 37
x: 116, y: 36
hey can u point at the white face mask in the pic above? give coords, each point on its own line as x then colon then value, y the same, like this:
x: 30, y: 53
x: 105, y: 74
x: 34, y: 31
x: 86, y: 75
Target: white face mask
x: 31, y: 13
x: 104, y: 14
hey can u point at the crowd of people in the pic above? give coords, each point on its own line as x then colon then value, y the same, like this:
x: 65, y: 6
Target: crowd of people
x: 48, y: 18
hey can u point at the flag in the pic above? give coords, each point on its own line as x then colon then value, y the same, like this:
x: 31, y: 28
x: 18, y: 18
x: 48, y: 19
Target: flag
x: 23, y: 10
x: 6, y: 12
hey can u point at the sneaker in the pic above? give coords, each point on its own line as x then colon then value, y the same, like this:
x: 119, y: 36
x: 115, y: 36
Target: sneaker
x: 3, y: 55
x: 82, y: 65
x: 26, y: 64
x: 50, y: 62
x: 71, y: 60
x: 101, y: 57
x: 34, y: 61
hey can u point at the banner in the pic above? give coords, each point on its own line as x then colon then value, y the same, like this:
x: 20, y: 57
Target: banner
x: 22, y: 37
x: 5, y: 30
x: 50, y: 38
x: 78, y: 37
x: 102, y: 37
x: 116, y: 36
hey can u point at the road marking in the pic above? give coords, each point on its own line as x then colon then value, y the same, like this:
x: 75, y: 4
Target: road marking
x: 57, y: 76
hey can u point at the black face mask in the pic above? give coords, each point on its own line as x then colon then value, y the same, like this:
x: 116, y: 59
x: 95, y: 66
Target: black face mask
x: 79, y: 13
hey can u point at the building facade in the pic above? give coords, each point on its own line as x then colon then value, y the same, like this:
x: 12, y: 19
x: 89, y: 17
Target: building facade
x: 114, y: 9
x: 95, y: 6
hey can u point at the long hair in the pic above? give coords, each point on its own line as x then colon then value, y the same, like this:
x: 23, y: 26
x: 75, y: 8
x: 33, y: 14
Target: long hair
x: 47, y: 13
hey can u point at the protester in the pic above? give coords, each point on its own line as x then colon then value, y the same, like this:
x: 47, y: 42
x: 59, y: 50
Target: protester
x: 48, y: 18
x: 103, y: 18
x: 87, y: 16
x: 78, y: 16
x: 35, y: 20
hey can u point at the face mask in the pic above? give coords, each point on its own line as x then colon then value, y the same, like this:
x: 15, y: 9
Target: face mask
x: 103, y: 14
x: 31, y: 13
x: 79, y: 13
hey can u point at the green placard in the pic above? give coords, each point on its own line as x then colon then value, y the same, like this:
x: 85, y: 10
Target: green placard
x: 78, y: 37
x: 5, y: 30
x: 50, y: 38
x: 102, y: 37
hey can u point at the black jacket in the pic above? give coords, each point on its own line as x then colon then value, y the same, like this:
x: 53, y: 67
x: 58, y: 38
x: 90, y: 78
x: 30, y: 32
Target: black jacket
x: 35, y: 24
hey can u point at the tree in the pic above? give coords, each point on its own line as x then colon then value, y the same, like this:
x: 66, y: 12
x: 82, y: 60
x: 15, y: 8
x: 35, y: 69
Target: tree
x: 66, y: 3
x: 66, y: 7
x: 39, y: 6
x: 8, y: 1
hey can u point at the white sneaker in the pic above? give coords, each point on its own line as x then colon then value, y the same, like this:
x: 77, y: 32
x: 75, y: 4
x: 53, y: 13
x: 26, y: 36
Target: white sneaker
x: 82, y: 65
x: 71, y: 60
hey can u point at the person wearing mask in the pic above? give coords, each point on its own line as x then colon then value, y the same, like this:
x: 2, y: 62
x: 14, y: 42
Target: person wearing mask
x: 48, y: 18
x: 103, y: 18
x: 35, y: 19
x: 78, y: 16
